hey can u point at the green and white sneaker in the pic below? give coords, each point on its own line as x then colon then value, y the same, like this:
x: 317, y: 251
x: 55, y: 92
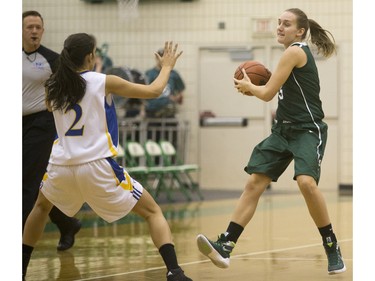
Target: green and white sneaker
x: 218, y: 252
x: 335, y: 262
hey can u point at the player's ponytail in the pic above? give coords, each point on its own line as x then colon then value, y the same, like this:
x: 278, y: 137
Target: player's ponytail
x: 320, y: 37
x: 66, y: 87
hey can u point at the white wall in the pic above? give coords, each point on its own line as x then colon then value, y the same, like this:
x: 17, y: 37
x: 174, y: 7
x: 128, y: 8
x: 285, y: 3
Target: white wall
x: 195, y: 25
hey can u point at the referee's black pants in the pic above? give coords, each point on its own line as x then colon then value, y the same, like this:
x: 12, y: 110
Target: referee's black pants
x: 38, y: 134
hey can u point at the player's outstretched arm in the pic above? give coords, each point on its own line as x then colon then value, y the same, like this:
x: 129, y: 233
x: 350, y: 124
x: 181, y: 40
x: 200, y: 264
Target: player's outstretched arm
x: 121, y: 87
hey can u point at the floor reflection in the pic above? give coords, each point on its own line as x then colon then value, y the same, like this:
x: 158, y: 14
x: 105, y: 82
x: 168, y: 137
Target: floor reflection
x: 281, y: 243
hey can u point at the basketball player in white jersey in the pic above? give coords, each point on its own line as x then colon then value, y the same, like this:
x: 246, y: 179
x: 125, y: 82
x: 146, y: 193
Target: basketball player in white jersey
x: 81, y: 166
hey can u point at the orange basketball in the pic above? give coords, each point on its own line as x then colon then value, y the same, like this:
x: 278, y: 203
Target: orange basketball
x: 257, y: 72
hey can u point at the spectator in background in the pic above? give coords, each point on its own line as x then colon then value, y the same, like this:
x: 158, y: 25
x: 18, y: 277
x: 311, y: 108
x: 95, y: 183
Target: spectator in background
x: 165, y: 106
x: 38, y: 126
x: 136, y: 107
x: 102, y: 61
x: 129, y: 107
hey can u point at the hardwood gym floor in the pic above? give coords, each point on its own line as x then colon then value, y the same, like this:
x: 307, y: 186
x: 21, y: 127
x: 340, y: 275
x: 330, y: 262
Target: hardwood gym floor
x: 280, y: 243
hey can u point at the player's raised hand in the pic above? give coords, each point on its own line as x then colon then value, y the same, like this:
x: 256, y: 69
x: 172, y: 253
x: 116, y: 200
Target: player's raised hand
x: 170, y: 54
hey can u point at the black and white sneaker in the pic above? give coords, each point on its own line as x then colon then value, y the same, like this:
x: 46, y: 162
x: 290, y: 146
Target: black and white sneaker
x: 177, y: 275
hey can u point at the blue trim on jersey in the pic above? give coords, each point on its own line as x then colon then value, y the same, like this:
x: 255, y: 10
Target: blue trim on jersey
x: 119, y: 171
x: 110, y: 112
x: 136, y: 193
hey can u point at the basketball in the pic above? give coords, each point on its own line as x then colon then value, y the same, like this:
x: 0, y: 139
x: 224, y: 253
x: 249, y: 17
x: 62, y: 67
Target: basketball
x: 257, y: 72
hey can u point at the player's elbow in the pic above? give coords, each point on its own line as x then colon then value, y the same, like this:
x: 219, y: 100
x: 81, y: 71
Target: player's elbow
x: 264, y: 97
x: 268, y: 94
x: 153, y: 93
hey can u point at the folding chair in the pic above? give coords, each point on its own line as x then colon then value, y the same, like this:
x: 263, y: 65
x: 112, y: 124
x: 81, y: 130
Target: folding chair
x: 169, y: 173
x: 134, y: 154
x: 170, y: 158
x: 137, y: 168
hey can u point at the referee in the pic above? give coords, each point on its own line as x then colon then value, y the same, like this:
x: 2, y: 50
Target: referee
x: 38, y: 127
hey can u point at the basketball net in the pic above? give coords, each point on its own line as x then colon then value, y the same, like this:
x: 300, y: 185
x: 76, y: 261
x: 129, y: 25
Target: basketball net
x: 128, y: 9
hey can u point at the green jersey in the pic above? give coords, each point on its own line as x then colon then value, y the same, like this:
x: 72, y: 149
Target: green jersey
x: 299, y: 100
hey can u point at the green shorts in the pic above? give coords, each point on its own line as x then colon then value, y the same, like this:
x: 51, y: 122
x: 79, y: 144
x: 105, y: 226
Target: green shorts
x: 302, y: 142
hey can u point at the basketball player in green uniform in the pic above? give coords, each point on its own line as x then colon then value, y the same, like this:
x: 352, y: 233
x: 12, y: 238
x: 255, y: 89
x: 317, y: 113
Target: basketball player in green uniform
x: 298, y: 134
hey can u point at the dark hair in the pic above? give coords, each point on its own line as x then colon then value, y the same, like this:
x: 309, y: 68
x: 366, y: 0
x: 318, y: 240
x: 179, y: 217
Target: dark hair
x: 319, y: 36
x: 32, y: 13
x: 66, y: 87
x: 161, y: 52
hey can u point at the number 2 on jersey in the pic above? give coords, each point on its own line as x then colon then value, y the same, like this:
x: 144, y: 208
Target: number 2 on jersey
x: 76, y: 131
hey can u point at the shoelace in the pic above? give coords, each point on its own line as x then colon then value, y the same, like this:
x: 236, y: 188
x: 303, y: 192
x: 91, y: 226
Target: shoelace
x: 333, y: 255
x: 227, y: 245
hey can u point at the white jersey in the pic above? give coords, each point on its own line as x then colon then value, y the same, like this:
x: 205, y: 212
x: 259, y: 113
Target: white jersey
x: 89, y: 131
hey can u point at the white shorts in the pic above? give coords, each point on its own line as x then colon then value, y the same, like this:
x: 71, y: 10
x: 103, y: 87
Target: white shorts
x: 103, y: 184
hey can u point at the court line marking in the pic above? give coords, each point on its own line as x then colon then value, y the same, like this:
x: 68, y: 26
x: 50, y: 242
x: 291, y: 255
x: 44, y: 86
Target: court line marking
x: 209, y: 261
